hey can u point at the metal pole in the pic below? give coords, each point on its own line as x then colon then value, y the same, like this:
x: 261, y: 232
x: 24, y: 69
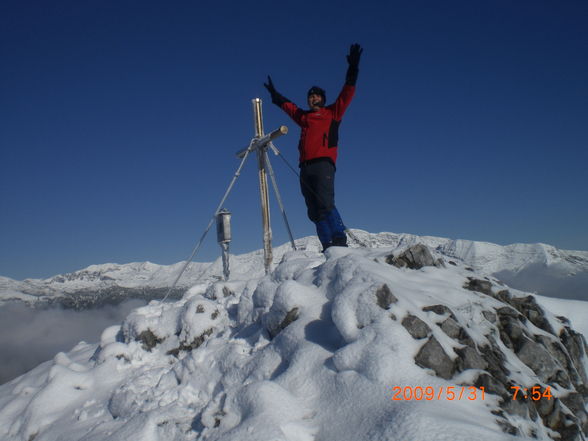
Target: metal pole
x: 263, y: 188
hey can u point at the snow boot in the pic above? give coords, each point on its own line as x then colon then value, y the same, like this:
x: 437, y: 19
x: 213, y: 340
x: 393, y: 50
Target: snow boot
x: 338, y: 237
x: 339, y: 240
x: 323, y: 231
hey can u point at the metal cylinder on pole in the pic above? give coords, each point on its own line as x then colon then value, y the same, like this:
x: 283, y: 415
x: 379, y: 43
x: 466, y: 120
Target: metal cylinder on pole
x: 263, y: 187
x: 223, y: 236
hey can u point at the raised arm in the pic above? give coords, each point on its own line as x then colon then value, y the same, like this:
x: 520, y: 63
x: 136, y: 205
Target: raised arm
x: 283, y: 103
x: 346, y: 94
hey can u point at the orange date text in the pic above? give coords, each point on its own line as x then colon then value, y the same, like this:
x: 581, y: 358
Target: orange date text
x: 429, y: 393
x: 534, y: 393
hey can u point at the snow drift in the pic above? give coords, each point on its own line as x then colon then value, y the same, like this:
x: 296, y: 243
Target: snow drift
x: 318, y: 350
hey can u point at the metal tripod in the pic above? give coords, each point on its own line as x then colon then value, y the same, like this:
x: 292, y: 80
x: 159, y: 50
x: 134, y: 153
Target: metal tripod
x: 261, y: 143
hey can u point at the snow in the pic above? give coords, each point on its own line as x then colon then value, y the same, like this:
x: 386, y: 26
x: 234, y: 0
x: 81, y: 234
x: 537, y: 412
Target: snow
x: 530, y: 267
x: 207, y: 368
x: 574, y: 310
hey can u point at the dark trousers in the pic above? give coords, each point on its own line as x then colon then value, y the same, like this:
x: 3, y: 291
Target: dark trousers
x: 317, y: 182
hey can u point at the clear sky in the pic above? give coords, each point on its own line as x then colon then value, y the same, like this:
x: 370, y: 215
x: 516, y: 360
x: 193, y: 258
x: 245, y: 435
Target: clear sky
x: 119, y: 121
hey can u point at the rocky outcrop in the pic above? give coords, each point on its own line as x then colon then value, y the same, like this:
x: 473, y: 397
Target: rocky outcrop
x: 519, y: 334
x: 415, y: 257
x: 178, y: 327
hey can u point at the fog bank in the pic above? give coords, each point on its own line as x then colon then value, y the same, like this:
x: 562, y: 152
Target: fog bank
x: 31, y: 336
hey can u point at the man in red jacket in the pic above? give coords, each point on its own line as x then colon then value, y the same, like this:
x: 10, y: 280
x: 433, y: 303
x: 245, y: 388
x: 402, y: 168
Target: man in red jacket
x: 318, y: 150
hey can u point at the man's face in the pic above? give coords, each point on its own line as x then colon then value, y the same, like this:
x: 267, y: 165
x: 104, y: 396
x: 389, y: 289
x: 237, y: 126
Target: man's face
x: 315, y: 101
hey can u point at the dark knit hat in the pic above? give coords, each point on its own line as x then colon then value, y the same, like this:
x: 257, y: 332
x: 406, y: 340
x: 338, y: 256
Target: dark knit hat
x: 318, y: 91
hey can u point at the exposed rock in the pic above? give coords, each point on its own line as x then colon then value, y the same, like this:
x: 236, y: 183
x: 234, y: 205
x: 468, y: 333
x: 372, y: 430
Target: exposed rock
x: 491, y: 385
x: 511, y: 331
x: 516, y: 407
x: 509, y: 312
x: 503, y: 295
x: 440, y: 310
x: 483, y: 286
x: 490, y: 316
x: 496, y: 360
x: 469, y: 358
x: 432, y: 356
x: 508, y: 428
x: 562, y: 379
x: 575, y: 402
x: 575, y: 344
x: 149, y: 339
x: 416, y: 327
x: 415, y: 257
x: 457, y: 332
x: 558, y: 352
x: 197, y: 342
x: 384, y: 297
x: 290, y: 317
x: 451, y: 328
x: 538, y: 359
x: 544, y: 407
x: 556, y: 418
x: 529, y: 308
x: 571, y: 432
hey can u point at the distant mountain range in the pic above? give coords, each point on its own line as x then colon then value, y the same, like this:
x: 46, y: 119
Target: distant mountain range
x: 538, y: 268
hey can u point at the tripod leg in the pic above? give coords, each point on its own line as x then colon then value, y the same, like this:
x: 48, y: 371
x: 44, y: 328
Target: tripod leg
x: 210, y: 223
x: 279, y: 198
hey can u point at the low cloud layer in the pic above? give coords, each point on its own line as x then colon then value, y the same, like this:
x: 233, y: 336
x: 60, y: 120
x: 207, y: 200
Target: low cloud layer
x: 30, y: 336
x: 540, y: 280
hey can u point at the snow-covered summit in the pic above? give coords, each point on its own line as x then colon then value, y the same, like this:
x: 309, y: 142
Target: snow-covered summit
x: 350, y: 345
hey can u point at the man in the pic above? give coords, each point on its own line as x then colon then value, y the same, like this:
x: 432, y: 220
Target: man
x: 318, y: 150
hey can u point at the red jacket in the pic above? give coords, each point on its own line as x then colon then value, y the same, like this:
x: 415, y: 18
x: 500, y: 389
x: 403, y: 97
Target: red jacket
x: 320, y: 129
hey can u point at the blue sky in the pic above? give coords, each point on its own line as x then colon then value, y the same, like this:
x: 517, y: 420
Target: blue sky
x: 120, y: 120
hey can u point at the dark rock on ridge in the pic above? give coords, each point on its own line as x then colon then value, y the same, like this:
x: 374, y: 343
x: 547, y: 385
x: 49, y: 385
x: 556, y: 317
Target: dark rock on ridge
x: 416, y: 327
x: 432, y: 356
x: 415, y: 257
x: 384, y: 297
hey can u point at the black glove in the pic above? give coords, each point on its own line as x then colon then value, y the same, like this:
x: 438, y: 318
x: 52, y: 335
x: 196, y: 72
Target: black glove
x: 353, y: 59
x: 270, y: 86
x: 277, y: 99
x: 354, y: 54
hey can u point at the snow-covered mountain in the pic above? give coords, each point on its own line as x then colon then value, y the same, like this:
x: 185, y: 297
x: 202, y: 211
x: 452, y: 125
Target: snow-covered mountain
x: 532, y: 267
x: 395, y: 342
